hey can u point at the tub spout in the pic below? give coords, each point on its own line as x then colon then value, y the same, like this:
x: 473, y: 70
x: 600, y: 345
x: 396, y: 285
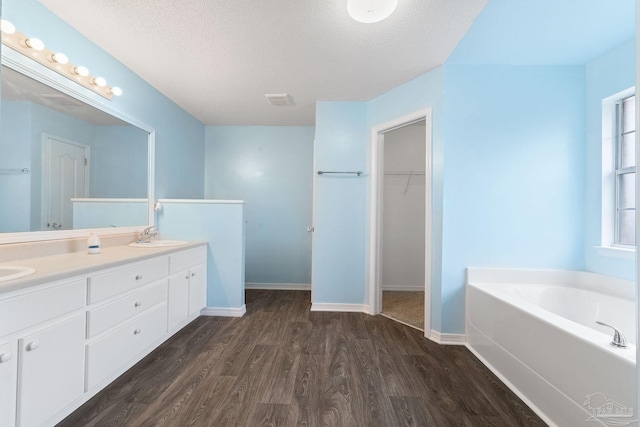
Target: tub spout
x: 618, y: 338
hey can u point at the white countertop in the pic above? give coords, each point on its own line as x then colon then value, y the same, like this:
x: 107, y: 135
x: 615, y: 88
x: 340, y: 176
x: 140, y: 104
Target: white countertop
x: 56, y: 267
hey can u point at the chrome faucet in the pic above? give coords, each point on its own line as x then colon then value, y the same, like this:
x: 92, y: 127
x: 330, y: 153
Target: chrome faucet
x: 146, y: 235
x: 618, y: 338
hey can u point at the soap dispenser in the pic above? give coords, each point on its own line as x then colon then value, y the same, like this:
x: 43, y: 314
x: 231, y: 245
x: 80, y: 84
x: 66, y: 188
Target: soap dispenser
x: 93, y: 244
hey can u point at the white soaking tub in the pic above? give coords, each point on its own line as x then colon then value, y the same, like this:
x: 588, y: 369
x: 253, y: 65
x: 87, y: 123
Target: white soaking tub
x: 537, y: 331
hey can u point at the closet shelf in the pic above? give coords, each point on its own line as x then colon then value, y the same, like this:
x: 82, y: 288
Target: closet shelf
x: 405, y: 173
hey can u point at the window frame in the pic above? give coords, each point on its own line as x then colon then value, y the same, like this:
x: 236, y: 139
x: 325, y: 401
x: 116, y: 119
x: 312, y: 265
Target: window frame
x: 619, y: 170
x: 608, y: 167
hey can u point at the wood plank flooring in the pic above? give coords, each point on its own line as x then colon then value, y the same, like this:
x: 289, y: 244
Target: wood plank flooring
x: 282, y: 365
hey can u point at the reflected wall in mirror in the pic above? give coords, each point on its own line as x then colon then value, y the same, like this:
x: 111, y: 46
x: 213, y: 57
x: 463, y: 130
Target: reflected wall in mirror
x: 65, y: 164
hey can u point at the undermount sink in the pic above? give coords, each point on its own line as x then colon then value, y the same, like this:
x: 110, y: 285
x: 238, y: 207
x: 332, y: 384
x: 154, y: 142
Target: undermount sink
x: 11, y: 272
x: 158, y: 243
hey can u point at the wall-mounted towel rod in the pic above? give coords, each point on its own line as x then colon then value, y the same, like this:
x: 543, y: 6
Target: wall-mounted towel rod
x: 359, y: 173
x: 14, y: 171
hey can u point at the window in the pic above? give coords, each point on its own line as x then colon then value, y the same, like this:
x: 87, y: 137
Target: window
x: 625, y: 172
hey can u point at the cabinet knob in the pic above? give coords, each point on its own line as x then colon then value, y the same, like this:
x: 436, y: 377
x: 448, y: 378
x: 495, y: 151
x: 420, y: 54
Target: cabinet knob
x: 137, y: 304
x: 139, y: 277
x: 137, y: 331
x: 33, y: 345
x: 193, y: 274
x: 187, y: 276
x: 5, y: 357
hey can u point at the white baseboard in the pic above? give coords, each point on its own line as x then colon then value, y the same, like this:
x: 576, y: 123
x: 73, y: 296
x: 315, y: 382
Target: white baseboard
x: 347, y: 308
x: 278, y: 286
x: 404, y: 288
x: 447, y: 339
x: 224, y: 311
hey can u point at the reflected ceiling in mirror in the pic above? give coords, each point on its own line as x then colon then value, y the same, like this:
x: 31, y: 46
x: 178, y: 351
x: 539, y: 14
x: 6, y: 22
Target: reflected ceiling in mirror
x: 66, y: 165
x: 18, y: 87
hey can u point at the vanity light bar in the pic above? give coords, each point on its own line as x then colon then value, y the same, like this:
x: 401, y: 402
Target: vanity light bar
x: 56, y: 61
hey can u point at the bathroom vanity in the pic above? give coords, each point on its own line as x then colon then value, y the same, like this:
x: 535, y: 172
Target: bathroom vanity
x: 81, y: 320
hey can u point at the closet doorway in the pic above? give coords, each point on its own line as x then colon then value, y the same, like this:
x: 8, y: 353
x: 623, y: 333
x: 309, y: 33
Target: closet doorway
x: 401, y: 228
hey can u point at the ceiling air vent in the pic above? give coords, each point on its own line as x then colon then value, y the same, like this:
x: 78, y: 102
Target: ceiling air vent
x: 278, y: 99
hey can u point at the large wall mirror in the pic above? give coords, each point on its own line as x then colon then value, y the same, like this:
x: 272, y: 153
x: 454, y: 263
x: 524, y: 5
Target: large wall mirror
x: 68, y: 163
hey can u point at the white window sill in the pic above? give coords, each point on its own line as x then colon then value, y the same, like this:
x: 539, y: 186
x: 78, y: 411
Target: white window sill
x: 617, y: 252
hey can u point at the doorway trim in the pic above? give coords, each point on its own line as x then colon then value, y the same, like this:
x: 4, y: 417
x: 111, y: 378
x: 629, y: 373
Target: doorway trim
x: 375, y: 209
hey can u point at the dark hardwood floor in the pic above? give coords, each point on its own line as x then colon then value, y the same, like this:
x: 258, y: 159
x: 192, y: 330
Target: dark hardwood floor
x: 282, y: 365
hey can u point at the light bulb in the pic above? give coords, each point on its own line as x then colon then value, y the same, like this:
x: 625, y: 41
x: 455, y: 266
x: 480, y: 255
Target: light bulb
x: 60, y: 58
x: 99, y: 81
x: 370, y: 11
x: 81, y: 71
x: 34, y: 43
x: 7, y: 27
x: 115, y: 91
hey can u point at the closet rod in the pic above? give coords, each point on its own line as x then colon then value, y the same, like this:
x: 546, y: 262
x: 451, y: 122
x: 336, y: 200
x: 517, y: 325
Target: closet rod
x: 404, y: 173
x: 359, y: 173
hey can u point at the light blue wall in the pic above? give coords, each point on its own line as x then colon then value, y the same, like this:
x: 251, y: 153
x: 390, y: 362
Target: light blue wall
x: 118, y: 162
x: 605, y: 76
x: 339, y: 210
x: 179, y: 136
x: 222, y: 226
x: 103, y: 214
x: 514, y: 173
x: 15, y: 190
x: 510, y: 192
x: 425, y: 91
x: 545, y: 32
x: 270, y: 168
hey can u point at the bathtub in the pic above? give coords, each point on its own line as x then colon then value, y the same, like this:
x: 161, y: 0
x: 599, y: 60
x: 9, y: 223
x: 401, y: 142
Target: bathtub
x: 536, y: 330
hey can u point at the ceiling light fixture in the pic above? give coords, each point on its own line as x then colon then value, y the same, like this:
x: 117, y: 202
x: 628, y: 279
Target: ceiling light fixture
x: 34, y: 48
x: 370, y: 11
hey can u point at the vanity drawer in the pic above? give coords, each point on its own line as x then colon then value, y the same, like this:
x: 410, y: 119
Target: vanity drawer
x: 184, y: 260
x: 109, y: 353
x: 109, y: 315
x: 112, y: 283
x: 32, y: 308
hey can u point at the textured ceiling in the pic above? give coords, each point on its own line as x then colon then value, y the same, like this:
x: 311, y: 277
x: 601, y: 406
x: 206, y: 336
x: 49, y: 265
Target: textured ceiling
x: 217, y: 59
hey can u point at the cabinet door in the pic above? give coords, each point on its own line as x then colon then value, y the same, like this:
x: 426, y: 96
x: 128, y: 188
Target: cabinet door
x: 50, y: 371
x: 8, y: 375
x: 197, y: 288
x: 178, y: 299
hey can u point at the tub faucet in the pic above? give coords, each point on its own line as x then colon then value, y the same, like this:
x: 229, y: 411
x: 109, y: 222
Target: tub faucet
x: 146, y: 235
x: 618, y: 338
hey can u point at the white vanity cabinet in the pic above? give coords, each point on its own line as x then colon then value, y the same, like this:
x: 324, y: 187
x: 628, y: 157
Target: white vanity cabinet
x: 41, y: 352
x: 127, y: 313
x: 8, y: 379
x: 187, y: 285
x: 61, y: 342
x: 50, y: 370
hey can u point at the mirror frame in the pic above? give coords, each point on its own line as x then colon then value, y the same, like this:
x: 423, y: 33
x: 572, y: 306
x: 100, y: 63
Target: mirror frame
x: 32, y: 69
